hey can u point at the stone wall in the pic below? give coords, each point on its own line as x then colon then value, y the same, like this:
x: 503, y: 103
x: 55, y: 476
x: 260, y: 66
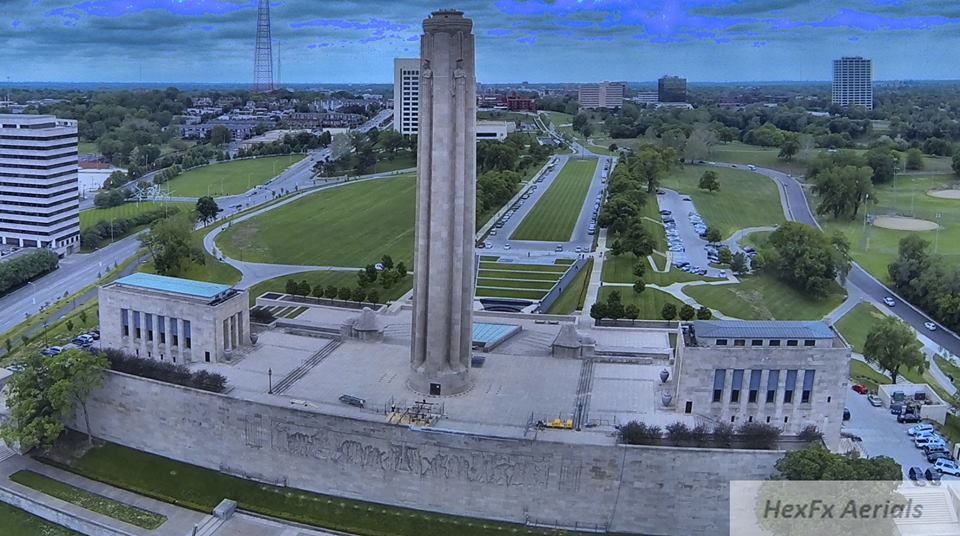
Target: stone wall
x: 648, y: 490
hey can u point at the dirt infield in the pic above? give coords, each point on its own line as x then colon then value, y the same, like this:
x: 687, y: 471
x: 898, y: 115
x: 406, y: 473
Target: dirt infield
x: 899, y: 223
x: 944, y: 194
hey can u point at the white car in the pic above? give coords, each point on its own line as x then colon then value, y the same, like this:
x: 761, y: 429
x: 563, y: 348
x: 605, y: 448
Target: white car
x: 506, y: 246
x: 889, y: 301
x: 919, y: 429
x: 930, y: 326
x: 946, y: 466
x: 928, y: 441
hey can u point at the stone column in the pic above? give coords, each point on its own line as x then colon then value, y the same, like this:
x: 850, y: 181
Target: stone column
x: 444, y: 261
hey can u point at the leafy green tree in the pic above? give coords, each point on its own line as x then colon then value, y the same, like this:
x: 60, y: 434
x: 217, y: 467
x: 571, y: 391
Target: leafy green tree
x: 69, y: 325
x: 358, y: 295
x: 598, y: 311
x: 739, y: 264
x: 172, y: 245
x: 388, y: 279
x: 651, y: 163
x: 304, y: 288
x: 915, y: 159
x: 220, y: 135
x: 387, y: 262
x: 883, y: 162
x: 83, y: 317
x: 207, y: 209
x: 789, y: 148
x: 639, y: 269
x: 344, y: 293
x: 401, y: 269
x: 638, y: 240
x: 817, y: 463
x: 843, y: 190
x: 687, y: 312
x: 8, y: 344
x: 615, y: 305
x: 804, y: 257
x: 892, y: 345
x: 956, y: 163
x: 115, y: 180
x: 725, y: 256
x: 631, y: 311
x: 331, y: 292
x: 639, y: 286
x: 291, y: 287
x: 704, y: 313
x: 46, y: 393
x: 373, y: 296
x: 714, y: 236
x: 710, y: 181
x: 669, y: 311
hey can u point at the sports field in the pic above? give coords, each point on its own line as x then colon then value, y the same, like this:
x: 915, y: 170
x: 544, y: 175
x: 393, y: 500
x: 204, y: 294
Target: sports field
x: 745, y: 199
x: 763, y: 297
x: 351, y: 225
x: 89, y: 218
x: 230, y: 178
x: 555, y: 216
x: 878, y: 247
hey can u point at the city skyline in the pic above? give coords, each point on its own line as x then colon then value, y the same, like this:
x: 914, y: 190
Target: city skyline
x: 538, y: 41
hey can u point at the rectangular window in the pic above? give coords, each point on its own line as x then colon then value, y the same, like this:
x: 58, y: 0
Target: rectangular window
x: 162, y: 321
x: 774, y: 342
x: 773, y: 379
x: 809, y: 342
x: 756, y: 342
x: 719, y: 376
x: 125, y: 322
x: 792, y: 342
x: 136, y: 323
x: 736, y: 385
x: 148, y: 318
x: 721, y: 342
x: 754, y: 386
x: 739, y: 342
x: 789, y: 386
x: 186, y: 334
x: 807, y: 391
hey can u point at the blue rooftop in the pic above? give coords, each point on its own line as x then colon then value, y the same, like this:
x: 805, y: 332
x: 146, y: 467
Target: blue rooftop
x: 173, y: 285
x: 490, y: 335
x: 762, y: 329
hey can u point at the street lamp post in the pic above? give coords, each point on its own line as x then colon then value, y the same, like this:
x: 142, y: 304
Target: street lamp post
x: 34, y: 285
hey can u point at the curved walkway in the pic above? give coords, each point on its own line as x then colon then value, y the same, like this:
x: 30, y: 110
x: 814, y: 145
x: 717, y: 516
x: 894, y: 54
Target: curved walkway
x: 256, y: 272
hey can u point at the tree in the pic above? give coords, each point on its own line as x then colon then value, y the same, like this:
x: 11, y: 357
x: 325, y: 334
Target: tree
x: 387, y: 262
x: 725, y: 256
x: 46, y: 392
x: 401, y: 269
x: 359, y: 294
x: 789, y: 148
x: 883, y: 162
x: 914, y: 159
x: 291, y: 287
x: 639, y: 286
x: 709, y: 181
x: 700, y: 144
x: 669, y: 311
x: 650, y: 163
x: 639, y: 269
x: 69, y: 325
x: 373, y: 296
x: 843, y: 190
x: 892, y: 345
x: 220, y: 135
x: 687, y: 312
x: 172, y: 245
x: 115, y: 180
x: 304, y: 288
x: 713, y: 235
x: 956, y: 163
x: 344, y: 293
x: 817, y: 463
x: 631, y: 311
x: 598, y: 311
x: 739, y: 264
x: 803, y: 257
x: 637, y: 240
x: 207, y: 209
x: 703, y: 313
x: 615, y: 308
x: 331, y: 292
x: 83, y: 317
x: 8, y: 344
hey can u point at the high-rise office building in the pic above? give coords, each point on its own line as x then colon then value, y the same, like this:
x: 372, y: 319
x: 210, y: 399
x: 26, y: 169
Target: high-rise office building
x: 603, y: 95
x: 39, y: 189
x: 672, y: 89
x: 406, y: 95
x: 853, y: 82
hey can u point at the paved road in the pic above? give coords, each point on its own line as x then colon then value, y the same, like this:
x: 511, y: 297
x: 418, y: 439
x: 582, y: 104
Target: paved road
x: 798, y: 209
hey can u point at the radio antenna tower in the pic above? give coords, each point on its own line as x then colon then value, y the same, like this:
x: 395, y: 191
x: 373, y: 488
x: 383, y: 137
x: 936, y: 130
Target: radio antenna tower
x: 263, y: 63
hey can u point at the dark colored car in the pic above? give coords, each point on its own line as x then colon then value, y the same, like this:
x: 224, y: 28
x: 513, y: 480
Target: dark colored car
x: 915, y: 474
x: 935, y: 455
x: 896, y: 409
x: 908, y: 418
x: 351, y: 400
x: 846, y: 414
x: 932, y: 475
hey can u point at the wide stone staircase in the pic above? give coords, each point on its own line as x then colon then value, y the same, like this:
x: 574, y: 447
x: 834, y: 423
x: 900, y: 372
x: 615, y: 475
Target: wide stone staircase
x: 305, y: 367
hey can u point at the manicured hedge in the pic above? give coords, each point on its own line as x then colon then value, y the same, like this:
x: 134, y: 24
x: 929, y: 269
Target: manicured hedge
x: 165, y: 371
x: 19, y: 270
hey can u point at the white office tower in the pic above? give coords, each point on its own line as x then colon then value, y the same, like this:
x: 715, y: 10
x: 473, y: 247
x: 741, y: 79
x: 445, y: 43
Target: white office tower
x: 853, y: 82
x: 406, y: 95
x: 39, y: 189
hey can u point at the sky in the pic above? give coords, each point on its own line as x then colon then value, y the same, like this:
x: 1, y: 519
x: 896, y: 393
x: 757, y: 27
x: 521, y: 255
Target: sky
x: 355, y: 41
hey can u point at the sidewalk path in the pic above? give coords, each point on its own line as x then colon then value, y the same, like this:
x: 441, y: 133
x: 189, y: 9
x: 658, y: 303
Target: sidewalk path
x: 596, y: 280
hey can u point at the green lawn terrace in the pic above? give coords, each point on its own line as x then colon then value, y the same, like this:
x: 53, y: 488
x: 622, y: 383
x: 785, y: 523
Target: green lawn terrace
x: 764, y: 297
x: 229, y: 178
x: 649, y: 303
x: 555, y: 215
x: 745, y: 199
x: 520, y: 281
x: 874, y: 248
x: 90, y: 217
x: 351, y: 225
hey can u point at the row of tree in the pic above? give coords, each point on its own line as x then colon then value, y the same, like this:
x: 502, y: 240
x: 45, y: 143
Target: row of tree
x: 805, y: 258
x: 332, y: 292
x: 927, y: 281
x: 104, y: 230
x: 17, y: 271
x: 300, y: 142
x: 386, y: 275
x: 751, y: 435
x: 613, y: 308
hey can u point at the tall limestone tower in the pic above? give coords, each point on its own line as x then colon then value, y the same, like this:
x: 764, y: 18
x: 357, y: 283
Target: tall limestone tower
x: 446, y: 207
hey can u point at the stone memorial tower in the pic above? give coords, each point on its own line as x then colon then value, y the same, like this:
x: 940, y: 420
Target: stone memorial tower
x: 444, y: 262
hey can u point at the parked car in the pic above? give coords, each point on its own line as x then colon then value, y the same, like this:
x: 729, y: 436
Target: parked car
x: 665, y: 212
x: 506, y: 246
x: 949, y: 467
x: 896, y: 409
x: 52, y: 351
x: 929, y: 441
x: 846, y: 414
x: 908, y: 418
x: 919, y: 429
x: 83, y: 340
x: 889, y: 301
x: 934, y: 455
x: 915, y: 473
x: 932, y: 475
x: 858, y: 388
x: 558, y: 248
x: 930, y: 326
x: 874, y: 401
x: 351, y: 400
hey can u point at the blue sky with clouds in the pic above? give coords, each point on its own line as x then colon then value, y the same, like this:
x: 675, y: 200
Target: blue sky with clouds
x: 536, y: 40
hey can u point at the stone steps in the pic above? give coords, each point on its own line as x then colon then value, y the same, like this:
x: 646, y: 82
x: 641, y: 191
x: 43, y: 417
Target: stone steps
x: 305, y: 367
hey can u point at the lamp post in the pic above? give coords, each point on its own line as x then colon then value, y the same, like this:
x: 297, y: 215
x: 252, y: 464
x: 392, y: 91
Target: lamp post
x: 34, y: 285
x: 270, y: 381
x: 936, y: 240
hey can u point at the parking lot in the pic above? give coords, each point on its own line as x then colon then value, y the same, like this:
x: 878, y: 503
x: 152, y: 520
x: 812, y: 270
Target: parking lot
x: 683, y: 227
x: 882, y: 435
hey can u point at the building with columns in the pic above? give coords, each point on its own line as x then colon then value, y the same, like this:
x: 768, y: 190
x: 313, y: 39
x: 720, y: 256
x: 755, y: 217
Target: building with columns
x: 171, y: 319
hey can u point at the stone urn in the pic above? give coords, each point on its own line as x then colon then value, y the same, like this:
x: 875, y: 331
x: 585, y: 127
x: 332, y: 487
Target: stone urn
x: 666, y: 398
x: 664, y: 375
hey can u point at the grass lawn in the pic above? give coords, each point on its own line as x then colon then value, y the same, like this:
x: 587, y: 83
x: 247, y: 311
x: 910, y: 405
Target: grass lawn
x: 211, y: 270
x: 572, y: 297
x: 326, y: 278
x: 401, y: 160
x: 949, y: 369
x: 497, y: 115
x: 520, y: 274
x: 555, y: 215
x: 89, y: 218
x: 87, y: 147
x: 619, y: 269
x: 766, y: 157
x: 486, y: 292
x: 862, y: 373
x: 650, y: 301
x: 230, y: 178
x: 727, y: 208
x: 202, y: 489
x: 763, y: 297
x: 557, y: 269
x: 91, y: 501
x: 14, y: 521
x: 515, y: 283
x: 909, y: 198
x: 855, y: 325
x: 351, y: 225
